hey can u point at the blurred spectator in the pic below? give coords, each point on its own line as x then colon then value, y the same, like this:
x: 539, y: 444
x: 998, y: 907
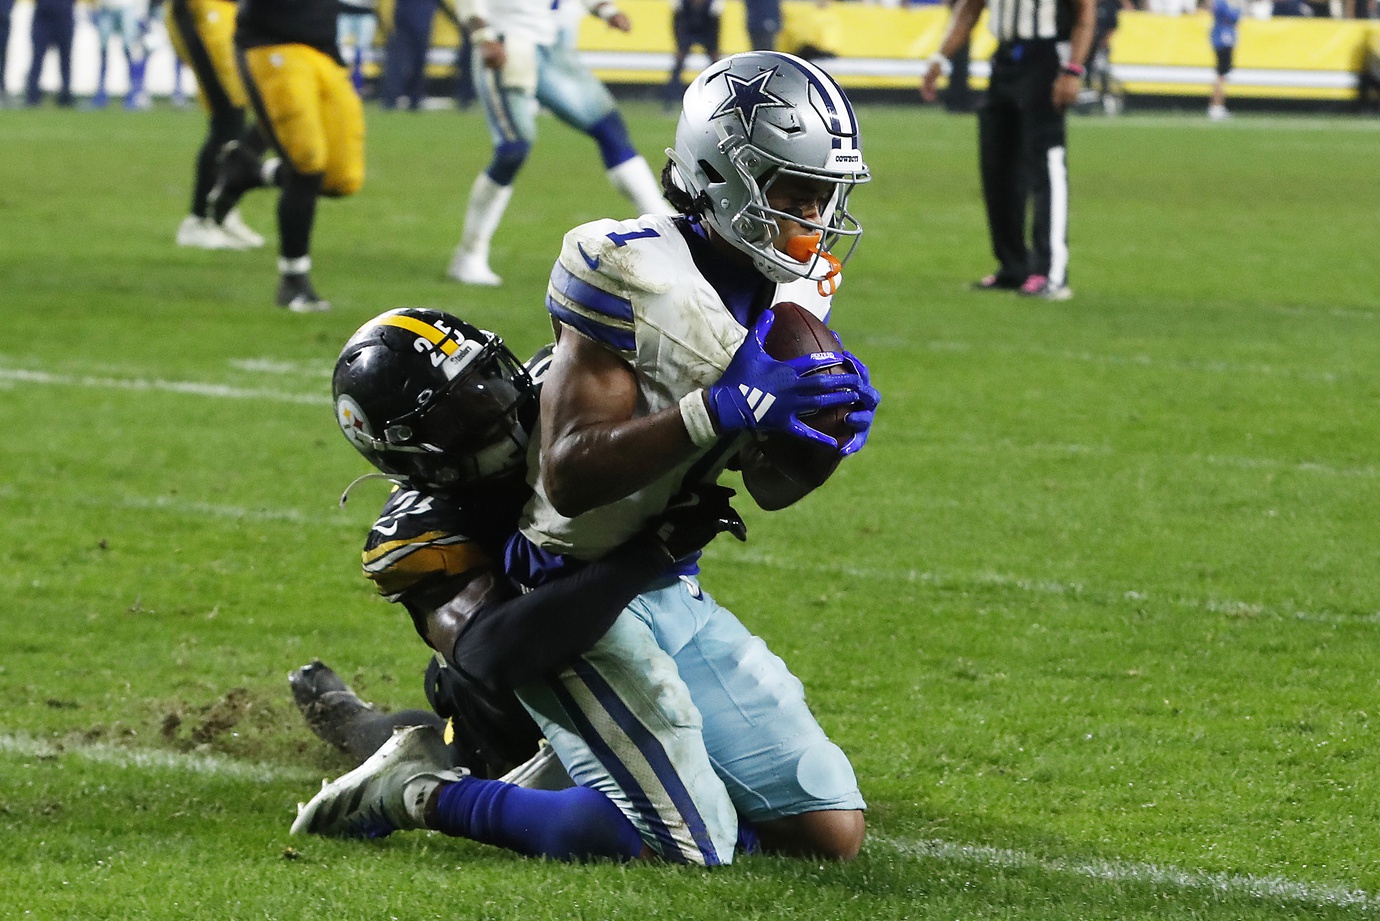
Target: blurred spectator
x: 694, y: 23
x: 53, y: 26
x: 1097, y: 80
x: 763, y: 23
x: 6, y: 6
x: 1369, y: 86
x: 1225, y: 14
x: 129, y: 20
x: 355, y: 28
x: 1290, y: 8
x: 404, y: 66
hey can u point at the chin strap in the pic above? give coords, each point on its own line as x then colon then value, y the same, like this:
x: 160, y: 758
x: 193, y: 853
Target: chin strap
x: 367, y: 476
x: 804, y: 248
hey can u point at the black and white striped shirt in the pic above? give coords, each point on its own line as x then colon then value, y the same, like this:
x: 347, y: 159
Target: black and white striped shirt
x: 1026, y: 20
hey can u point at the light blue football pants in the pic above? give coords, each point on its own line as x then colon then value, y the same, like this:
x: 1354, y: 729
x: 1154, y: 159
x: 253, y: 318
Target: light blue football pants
x: 686, y: 721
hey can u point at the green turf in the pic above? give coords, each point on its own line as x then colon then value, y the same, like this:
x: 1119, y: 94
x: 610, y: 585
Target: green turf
x: 1092, y: 612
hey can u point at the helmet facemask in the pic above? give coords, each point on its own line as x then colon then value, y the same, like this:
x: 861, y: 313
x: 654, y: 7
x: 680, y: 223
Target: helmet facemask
x: 467, y: 431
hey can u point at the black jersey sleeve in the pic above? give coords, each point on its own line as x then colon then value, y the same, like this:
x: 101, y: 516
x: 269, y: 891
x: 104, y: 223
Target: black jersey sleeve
x: 513, y: 642
x: 417, y: 543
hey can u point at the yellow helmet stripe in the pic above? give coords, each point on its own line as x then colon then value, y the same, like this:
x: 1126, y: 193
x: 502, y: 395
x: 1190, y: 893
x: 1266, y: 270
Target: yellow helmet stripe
x: 443, y: 341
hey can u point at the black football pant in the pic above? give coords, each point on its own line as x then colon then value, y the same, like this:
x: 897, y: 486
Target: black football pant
x: 1021, y: 141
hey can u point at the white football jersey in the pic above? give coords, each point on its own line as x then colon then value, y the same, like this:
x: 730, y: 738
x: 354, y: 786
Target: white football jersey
x: 634, y: 287
x: 520, y: 22
x: 138, y: 8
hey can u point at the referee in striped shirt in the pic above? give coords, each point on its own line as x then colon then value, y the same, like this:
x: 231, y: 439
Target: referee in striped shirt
x: 1036, y: 74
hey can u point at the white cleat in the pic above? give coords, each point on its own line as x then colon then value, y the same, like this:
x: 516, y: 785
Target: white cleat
x: 472, y: 269
x: 385, y: 794
x: 235, y: 228
x: 203, y: 233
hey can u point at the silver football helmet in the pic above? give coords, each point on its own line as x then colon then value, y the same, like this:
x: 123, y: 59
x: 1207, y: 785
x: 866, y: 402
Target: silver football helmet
x: 751, y: 120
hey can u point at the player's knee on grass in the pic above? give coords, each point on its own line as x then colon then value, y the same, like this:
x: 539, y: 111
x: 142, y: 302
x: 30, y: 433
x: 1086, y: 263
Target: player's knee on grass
x: 830, y: 834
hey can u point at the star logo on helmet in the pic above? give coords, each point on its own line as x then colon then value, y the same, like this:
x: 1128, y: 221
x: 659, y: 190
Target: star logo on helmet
x: 746, y: 97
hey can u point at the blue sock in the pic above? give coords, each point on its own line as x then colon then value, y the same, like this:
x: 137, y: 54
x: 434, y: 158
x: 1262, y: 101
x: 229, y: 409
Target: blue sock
x: 575, y: 824
x: 611, y: 134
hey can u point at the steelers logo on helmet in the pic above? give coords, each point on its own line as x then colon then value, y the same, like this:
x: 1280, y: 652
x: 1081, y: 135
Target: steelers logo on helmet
x: 354, y: 423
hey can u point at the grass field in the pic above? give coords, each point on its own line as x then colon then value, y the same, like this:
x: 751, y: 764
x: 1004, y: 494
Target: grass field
x: 1094, y: 614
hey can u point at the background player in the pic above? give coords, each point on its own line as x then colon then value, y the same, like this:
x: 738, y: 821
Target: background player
x: 693, y: 22
x: 202, y: 34
x: 310, y: 112
x: 129, y: 20
x: 518, y: 63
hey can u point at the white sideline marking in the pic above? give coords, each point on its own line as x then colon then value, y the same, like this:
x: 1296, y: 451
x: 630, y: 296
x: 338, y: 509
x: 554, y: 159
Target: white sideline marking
x: 150, y: 759
x: 1139, y: 361
x: 192, y: 388
x: 274, y: 366
x: 1121, y: 871
x: 237, y: 512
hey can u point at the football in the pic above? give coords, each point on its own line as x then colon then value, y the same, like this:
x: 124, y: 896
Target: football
x: 797, y: 332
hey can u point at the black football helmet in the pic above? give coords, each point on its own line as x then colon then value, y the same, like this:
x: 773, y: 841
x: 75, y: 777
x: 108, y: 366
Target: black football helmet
x: 433, y: 401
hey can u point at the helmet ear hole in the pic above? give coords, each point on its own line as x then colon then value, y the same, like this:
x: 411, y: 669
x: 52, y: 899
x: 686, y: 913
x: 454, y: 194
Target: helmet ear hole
x: 710, y: 172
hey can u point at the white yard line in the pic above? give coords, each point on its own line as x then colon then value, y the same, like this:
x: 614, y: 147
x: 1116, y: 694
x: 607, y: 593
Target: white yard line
x: 192, y: 388
x: 24, y: 746
x: 1314, y: 895
x: 1035, y: 586
x: 1114, y: 871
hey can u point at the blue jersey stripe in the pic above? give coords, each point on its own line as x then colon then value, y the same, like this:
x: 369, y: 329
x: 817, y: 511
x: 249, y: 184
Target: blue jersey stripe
x: 652, y: 750
x: 587, y: 295
x: 622, y: 340
x: 620, y: 773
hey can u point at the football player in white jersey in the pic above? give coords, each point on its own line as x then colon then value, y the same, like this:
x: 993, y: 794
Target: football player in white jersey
x: 129, y: 20
x: 660, y: 324
x: 519, y: 62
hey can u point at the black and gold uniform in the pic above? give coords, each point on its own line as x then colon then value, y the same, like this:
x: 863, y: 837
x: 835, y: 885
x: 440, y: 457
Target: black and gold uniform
x: 202, y: 33
x: 310, y: 111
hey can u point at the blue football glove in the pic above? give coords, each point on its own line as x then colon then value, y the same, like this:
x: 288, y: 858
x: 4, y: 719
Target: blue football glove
x: 861, y: 418
x: 761, y: 394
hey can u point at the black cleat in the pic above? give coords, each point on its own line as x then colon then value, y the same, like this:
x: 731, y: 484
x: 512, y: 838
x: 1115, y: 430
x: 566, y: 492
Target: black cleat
x: 327, y: 703
x: 237, y: 171
x: 297, y: 295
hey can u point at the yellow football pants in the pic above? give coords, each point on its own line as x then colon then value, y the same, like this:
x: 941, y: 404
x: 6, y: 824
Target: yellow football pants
x: 203, y: 35
x: 306, y: 103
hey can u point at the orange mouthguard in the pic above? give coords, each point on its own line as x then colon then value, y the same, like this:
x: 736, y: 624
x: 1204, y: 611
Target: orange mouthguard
x: 801, y: 249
